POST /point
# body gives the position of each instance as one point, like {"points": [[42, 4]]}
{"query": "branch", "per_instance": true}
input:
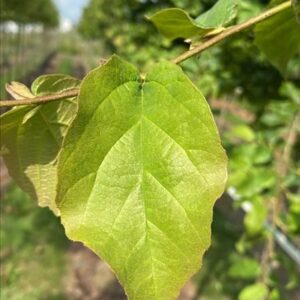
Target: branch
{"points": [[230, 31], [41, 99], [290, 140], [205, 45]]}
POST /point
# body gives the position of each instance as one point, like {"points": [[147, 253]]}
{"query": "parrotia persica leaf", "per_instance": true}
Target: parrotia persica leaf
{"points": [[176, 23], [282, 44], [139, 172], [31, 137]]}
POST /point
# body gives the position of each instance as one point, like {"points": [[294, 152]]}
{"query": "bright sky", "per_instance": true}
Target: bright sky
{"points": [[70, 11]]}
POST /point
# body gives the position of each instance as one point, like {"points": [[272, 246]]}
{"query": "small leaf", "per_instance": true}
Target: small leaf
{"points": [[257, 291], [291, 91], [242, 132], [18, 90], [138, 175], [245, 268], [255, 218], [175, 22], [31, 137], [47, 84], [282, 44]]}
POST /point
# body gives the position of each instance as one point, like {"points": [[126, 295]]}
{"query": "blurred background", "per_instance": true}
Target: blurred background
{"points": [[256, 226]]}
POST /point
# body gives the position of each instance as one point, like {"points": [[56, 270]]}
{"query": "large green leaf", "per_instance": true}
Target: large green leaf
{"points": [[279, 38], [31, 137], [175, 22], [139, 172]]}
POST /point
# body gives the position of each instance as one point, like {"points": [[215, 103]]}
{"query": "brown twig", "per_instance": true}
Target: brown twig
{"points": [[233, 108], [276, 203], [40, 99], [290, 141]]}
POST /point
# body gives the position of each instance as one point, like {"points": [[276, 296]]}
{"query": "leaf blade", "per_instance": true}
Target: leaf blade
{"points": [[177, 23], [137, 203], [31, 137], [272, 40], [219, 15]]}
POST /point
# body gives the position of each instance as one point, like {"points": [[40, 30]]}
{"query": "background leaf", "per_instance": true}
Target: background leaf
{"points": [[219, 15], [272, 39], [296, 8], [175, 22], [140, 170], [31, 137], [257, 291]]}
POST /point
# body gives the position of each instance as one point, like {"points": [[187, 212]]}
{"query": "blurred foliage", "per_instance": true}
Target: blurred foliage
{"points": [[25, 11], [33, 249], [257, 111]]}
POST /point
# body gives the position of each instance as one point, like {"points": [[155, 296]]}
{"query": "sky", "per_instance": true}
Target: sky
{"points": [[70, 11]]}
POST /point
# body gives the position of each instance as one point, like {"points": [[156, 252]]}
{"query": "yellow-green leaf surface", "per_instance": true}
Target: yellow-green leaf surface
{"points": [[139, 172], [31, 137], [176, 23], [279, 38]]}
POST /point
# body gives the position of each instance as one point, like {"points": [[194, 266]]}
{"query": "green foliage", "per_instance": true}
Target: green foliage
{"points": [[219, 15], [245, 268], [175, 22], [143, 195], [33, 249], [31, 137], [25, 11], [296, 9], [256, 291], [277, 45]]}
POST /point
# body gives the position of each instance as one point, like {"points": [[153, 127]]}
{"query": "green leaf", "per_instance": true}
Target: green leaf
{"points": [[255, 218], [245, 268], [18, 90], [47, 84], [139, 172], [294, 200], [296, 9], [176, 23], [241, 132], [31, 137], [248, 9], [219, 15], [279, 38], [257, 291], [291, 91]]}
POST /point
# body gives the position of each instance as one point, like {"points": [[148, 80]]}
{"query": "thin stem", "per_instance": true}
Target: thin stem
{"points": [[276, 203], [41, 99], [290, 141], [205, 45], [230, 31]]}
